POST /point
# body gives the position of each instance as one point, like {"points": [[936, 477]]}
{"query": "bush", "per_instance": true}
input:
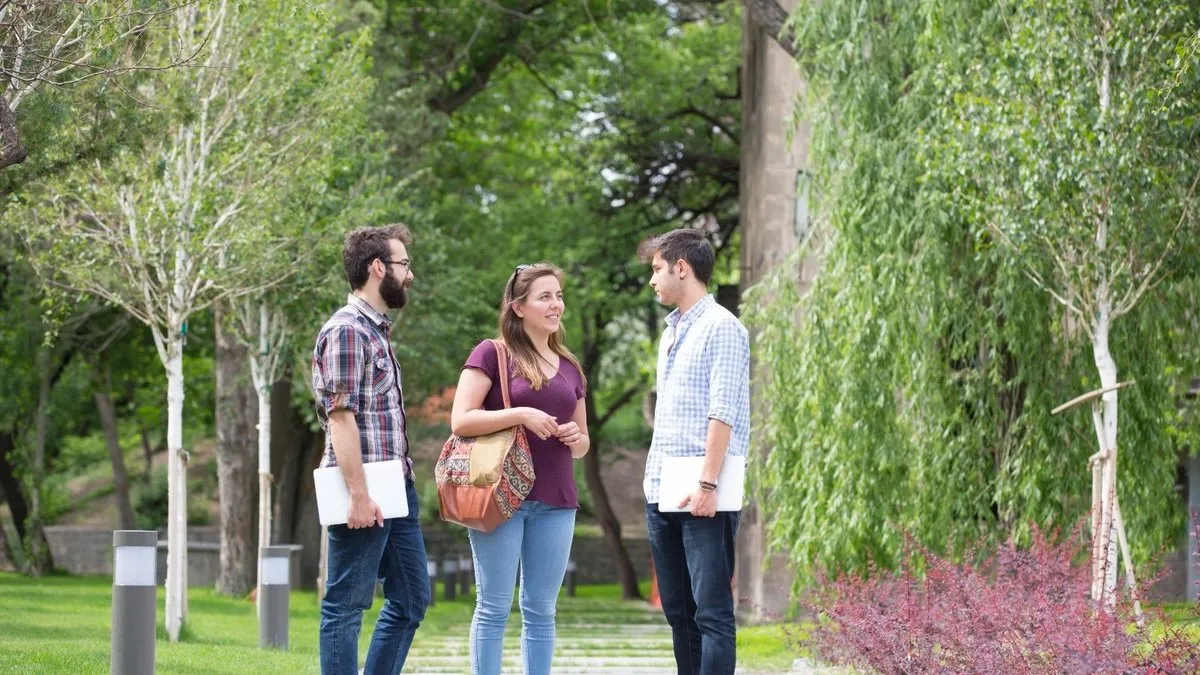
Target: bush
{"points": [[150, 502], [1021, 611]]}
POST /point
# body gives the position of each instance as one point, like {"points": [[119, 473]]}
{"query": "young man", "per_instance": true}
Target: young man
{"points": [[360, 403], [703, 410]]}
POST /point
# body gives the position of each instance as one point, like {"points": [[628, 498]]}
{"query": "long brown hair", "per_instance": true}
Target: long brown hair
{"points": [[512, 331]]}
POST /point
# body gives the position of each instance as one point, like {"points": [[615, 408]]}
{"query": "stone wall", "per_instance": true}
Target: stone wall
{"points": [[88, 551], [591, 555]]}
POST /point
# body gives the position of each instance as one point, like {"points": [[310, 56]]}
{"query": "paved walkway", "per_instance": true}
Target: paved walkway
{"points": [[619, 640]]}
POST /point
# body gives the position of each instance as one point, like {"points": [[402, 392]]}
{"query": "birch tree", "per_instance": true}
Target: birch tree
{"points": [[264, 323], [270, 325], [263, 329], [1084, 170], [159, 231]]}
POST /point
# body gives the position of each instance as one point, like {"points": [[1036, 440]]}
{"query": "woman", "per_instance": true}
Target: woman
{"points": [[546, 389]]}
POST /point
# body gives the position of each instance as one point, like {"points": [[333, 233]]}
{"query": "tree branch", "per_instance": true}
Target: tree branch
{"points": [[696, 112], [621, 402], [548, 87], [452, 101], [772, 18], [1136, 290], [12, 152]]}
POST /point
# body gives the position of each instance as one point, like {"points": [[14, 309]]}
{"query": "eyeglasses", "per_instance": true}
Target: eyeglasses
{"points": [[406, 263], [512, 283]]}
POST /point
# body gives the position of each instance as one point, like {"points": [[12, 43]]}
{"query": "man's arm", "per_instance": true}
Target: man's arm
{"points": [[337, 376], [715, 446], [728, 392], [347, 447]]}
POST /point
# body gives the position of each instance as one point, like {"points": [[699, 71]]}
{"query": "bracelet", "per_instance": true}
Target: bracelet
{"points": [[707, 486]]}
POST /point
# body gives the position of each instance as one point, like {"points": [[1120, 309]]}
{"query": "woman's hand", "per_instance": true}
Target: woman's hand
{"points": [[539, 423], [569, 433], [574, 438]]}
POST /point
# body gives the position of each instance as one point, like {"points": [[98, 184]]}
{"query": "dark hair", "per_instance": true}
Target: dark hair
{"points": [[368, 244], [512, 330], [684, 244]]}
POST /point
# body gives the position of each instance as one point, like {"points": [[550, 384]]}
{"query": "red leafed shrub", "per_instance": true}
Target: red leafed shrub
{"points": [[1023, 610], [436, 407]]}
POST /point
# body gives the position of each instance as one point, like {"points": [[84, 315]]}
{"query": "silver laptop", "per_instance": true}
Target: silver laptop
{"points": [[385, 484], [681, 476]]}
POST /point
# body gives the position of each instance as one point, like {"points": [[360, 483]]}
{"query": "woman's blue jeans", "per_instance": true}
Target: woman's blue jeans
{"points": [[538, 536]]}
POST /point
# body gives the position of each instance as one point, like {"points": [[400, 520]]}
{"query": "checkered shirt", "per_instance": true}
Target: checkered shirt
{"points": [[354, 368]]}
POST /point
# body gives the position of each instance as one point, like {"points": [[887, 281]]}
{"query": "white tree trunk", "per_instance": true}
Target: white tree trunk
{"points": [[262, 372], [264, 466], [264, 479], [176, 600], [1105, 364], [1107, 368]]}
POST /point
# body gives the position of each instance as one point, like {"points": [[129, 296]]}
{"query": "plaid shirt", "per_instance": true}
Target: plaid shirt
{"points": [[354, 368], [703, 374]]}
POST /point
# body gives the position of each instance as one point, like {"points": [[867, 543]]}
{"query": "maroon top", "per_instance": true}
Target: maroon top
{"points": [[554, 482]]}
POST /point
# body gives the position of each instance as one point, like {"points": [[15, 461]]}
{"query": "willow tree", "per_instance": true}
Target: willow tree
{"points": [[915, 394]]}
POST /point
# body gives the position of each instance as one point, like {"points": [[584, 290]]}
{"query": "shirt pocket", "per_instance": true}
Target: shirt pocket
{"points": [[383, 376]]}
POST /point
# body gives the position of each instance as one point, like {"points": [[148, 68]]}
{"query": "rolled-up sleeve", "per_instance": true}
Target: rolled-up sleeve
{"points": [[338, 363], [729, 376]]}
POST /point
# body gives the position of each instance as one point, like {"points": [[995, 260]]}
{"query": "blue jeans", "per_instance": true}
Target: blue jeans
{"points": [[693, 560], [539, 536], [393, 553]]}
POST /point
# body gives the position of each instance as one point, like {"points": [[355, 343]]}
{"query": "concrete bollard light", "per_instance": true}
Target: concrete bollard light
{"points": [[571, 578], [431, 567], [274, 591], [449, 572], [133, 605], [465, 573]]}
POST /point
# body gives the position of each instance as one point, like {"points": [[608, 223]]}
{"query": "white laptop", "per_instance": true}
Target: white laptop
{"points": [[681, 476], [385, 484]]}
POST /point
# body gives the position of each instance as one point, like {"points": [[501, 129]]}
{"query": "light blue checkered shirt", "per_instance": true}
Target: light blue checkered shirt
{"points": [[703, 374]]}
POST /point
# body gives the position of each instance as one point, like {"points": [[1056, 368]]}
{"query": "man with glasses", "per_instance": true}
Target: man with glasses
{"points": [[360, 402]]}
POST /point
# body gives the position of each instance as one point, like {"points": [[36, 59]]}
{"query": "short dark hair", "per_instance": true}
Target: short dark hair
{"points": [[368, 244], [683, 244]]}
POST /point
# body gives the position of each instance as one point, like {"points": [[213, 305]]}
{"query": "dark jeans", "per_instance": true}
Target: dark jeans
{"points": [[393, 553], [693, 560]]}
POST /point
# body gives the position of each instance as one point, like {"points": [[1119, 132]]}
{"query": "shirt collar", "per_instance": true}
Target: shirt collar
{"points": [[692, 314], [365, 308]]}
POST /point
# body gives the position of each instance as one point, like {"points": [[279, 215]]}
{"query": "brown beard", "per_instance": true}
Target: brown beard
{"points": [[394, 293]]}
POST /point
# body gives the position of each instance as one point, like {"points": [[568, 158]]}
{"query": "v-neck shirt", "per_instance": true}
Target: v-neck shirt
{"points": [[553, 466]]}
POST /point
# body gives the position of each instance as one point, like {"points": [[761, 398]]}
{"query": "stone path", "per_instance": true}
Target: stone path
{"points": [[624, 640]]}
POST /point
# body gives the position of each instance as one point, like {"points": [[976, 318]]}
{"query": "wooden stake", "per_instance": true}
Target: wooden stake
{"points": [[1130, 582]]}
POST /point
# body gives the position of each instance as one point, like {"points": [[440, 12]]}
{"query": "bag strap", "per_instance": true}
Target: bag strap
{"points": [[502, 360]]}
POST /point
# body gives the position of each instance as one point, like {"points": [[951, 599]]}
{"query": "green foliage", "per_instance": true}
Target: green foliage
{"points": [[627, 427], [576, 160], [150, 501], [79, 453], [915, 393]]}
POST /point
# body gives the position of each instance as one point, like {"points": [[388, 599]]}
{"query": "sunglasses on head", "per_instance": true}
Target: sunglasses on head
{"points": [[512, 283]]}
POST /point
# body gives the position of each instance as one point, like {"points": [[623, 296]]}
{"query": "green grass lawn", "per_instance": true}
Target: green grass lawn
{"points": [[61, 625]]}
